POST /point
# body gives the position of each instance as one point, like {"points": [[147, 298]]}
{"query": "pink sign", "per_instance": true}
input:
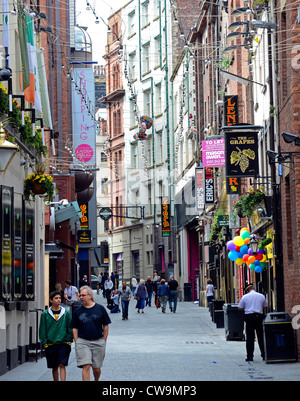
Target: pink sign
{"points": [[213, 153], [84, 153]]}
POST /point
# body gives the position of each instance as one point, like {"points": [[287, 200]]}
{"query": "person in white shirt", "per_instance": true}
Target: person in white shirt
{"points": [[253, 304], [209, 292]]}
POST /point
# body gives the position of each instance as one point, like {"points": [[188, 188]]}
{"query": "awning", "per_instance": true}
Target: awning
{"points": [[54, 251], [239, 79], [63, 213]]}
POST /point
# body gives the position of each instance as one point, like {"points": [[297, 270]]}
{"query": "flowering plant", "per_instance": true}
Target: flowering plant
{"points": [[27, 135], [40, 183], [245, 204]]}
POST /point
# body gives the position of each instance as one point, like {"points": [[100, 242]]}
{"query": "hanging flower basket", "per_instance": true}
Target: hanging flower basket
{"points": [[39, 183], [244, 206]]}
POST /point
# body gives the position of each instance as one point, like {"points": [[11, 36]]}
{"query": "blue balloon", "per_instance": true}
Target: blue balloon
{"points": [[258, 269], [233, 255], [257, 263], [244, 249]]}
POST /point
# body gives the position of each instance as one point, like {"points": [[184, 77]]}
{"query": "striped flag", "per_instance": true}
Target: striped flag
{"points": [[31, 93], [24, 77], [5, 37], [46, 112]]}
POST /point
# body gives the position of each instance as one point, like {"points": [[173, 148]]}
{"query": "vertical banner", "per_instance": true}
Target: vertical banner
{"points": [[231, 110], [209, 185], [165, 216], [6, 248], [29, 251], [200, 198], [18, 246], [241, 154], [84, 127]]}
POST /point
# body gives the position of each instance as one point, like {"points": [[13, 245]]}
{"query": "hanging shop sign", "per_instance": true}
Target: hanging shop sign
{"points": [[29, 250], [231, 110], [84, 127], [233, 185], [84, 220], [200, 196], [209, 185], [18, 246], [241, 154], [6, 248], [84, 236], [213, 153], [165, 216], [105, 213], [223, 220]]}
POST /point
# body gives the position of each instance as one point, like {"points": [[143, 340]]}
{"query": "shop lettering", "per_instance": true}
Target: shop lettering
{"points": [[242, 141], [209, 186]]}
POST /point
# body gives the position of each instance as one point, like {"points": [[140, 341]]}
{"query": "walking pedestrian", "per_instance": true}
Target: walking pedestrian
{"points": [[56, 336], [84, 281], [134, 284], [149, 287], [253, 304], [163, 293], [108, 286], [140, 296], [90, 331], [156, 285], [173, 293], [71, 294], [209, 292], [125, 296], [104, 278]]}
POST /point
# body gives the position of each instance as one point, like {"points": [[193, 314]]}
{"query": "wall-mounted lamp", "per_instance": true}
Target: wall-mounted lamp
{"points": [[282, 157], [7, 150], [289, 138]]}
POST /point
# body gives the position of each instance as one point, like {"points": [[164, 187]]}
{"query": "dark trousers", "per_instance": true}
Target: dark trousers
{"points": [[125, 305], [254, 324]]}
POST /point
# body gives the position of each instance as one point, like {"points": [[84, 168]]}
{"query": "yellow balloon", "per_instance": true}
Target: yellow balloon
{"points": [[238, 241], [239, 261], [245, 229], [264, 258]]}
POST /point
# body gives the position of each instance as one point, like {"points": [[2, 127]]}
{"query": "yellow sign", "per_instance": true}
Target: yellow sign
{"points": [[269, 247]]}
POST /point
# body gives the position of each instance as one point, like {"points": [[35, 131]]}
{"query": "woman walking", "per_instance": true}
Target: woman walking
{"points": [[163, 293], [140, 296]]}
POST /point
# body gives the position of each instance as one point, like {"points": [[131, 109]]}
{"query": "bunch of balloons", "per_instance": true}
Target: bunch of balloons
{"points": [[146, 123], [240, 252]]}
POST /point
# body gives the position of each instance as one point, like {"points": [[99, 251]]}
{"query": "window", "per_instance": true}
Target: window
{"points": [[146, 58], [158, 106], [134, 158], [104, 186], [157, 50], [147, 102], [103, 157], [131, 23], [145, 14], [132, 113], [150, 211], [132, 64]]}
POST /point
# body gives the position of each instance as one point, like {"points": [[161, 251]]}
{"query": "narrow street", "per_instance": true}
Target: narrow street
{"points": [[155, 347]]}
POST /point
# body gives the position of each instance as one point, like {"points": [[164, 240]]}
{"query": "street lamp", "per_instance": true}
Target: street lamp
{"points": [[254, 245], [7, 150]]}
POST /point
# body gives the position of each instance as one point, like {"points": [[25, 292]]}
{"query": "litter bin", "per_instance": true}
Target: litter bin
{"points": [[217, 305], [187, 287], [233, 322], [279, 338]]}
